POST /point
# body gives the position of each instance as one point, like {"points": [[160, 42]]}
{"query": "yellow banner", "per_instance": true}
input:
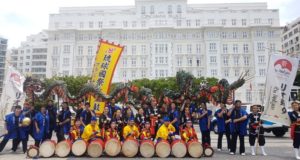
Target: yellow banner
{"points": [[107, 58]]}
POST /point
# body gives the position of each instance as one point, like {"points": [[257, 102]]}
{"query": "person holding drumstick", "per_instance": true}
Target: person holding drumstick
{"points": [[189, 133], [166, 131], [91, 130], [146, 134], [131, 131], [112, 132], [76, 130]]}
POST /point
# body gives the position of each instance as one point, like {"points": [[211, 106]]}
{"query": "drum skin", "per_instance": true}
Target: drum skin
{"points": [[195, 148], [178, 148], [208, 151], [79, 147], [63, 148], [130, 147], [95, 148], [147, 148], [47, 148], [33, 152], [163, 148], [112, 147]]}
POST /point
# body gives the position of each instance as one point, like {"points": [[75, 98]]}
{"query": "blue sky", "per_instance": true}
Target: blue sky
{"points": [[20, 18]]}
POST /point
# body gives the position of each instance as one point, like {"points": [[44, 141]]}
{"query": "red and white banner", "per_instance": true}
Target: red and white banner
{"points": [[280, 78], [12, 90]]}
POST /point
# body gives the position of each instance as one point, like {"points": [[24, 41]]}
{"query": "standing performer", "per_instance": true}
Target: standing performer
{"points": [[205, 116], [238, 127], [223, 122], [112, 107], [128, 115], [64, 125], [189, 133], [130, 131], [86, 115], [166, 131], [185, 117], [256, 131], [104, 119], [295, 128], [91, 130], [119, 121], [76, 130], [29, 112], [146, 134], [140, 118], [14, 129], [112, 132], [174, 117], [52, 112], [79, 110], [41, 126]]}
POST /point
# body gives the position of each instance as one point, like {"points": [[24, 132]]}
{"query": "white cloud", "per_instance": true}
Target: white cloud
{"points": [[20, 18]]}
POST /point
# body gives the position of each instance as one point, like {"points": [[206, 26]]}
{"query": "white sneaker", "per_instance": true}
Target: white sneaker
{"points": [[243, 154], [231, 153], [297, 154], [219, 149], [253, 151], [263, 151]]}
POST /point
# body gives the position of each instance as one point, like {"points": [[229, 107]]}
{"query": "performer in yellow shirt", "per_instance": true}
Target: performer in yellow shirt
{"points": [[112, 132], [91, 131], [131, 131], [189, 133], [166, 131]]}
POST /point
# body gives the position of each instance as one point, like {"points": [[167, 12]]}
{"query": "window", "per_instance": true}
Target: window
{"points": [[213, 59], [124, 74], [91, 24], [260, 46], [189, 48], [236, 60], [55, 50], [233, 34], [66, 61], [270, 21], [213, 72], [143, 10], [262, 72], [152, 10], [133, 24], [199, 73], [170, 9], [54, 62], [235, 48], [212, 46], [125, 24], [272, 47], [178, 23], [143, 61], [197, 22], [79, 62], [100, 24], [80, 50], [179, 48], [179, 11], [198, 61], [226, 73], [90, 50], [271, 34], [236, 72], [246, 48], [225, 48], [198, 48], [223, 21], [89, 61], [179, 61], [225, 60], [67, 48], [248, 96], [143, 73], [133, 49], [259, 33], [233, 22], [261, 60], [257, 20], [210, 21], [133, 62], [133, 74], [224, 35], [244, 22], [143, 24], [143, 49], [188, 23], [245, 35], [246, 60]]}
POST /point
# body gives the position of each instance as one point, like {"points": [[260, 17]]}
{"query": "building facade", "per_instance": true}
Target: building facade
{"points": [[290, 38], [3, 50], [162, 37], [31, 57]]}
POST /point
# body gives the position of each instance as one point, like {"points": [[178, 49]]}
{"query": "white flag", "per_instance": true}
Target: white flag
{"points": [[12, 90], [280, 78]]}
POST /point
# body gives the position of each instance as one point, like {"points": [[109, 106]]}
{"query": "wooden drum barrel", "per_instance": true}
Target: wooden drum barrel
{"points": [[130, 147], [112, 147], [147, 148], [79, 147], [63, 148], [208, 151], [195, 148], [95, 148], [178, 148], [33, 152], [47, 148], [163, 148]]}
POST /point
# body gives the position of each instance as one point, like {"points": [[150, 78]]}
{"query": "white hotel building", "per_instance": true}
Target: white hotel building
{"points": [[164, 36]]}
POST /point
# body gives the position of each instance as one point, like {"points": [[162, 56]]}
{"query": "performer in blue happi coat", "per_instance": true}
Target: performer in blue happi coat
{"points": [[223, 122], [64, 125], [14, 129], [174, 117], [238, 126], [86, 115], [205, 116], [52, 113], [41, 126], [112, 107]]}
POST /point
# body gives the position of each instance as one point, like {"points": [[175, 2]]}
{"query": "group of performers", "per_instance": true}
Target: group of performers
{"points": [[166, 122]]}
